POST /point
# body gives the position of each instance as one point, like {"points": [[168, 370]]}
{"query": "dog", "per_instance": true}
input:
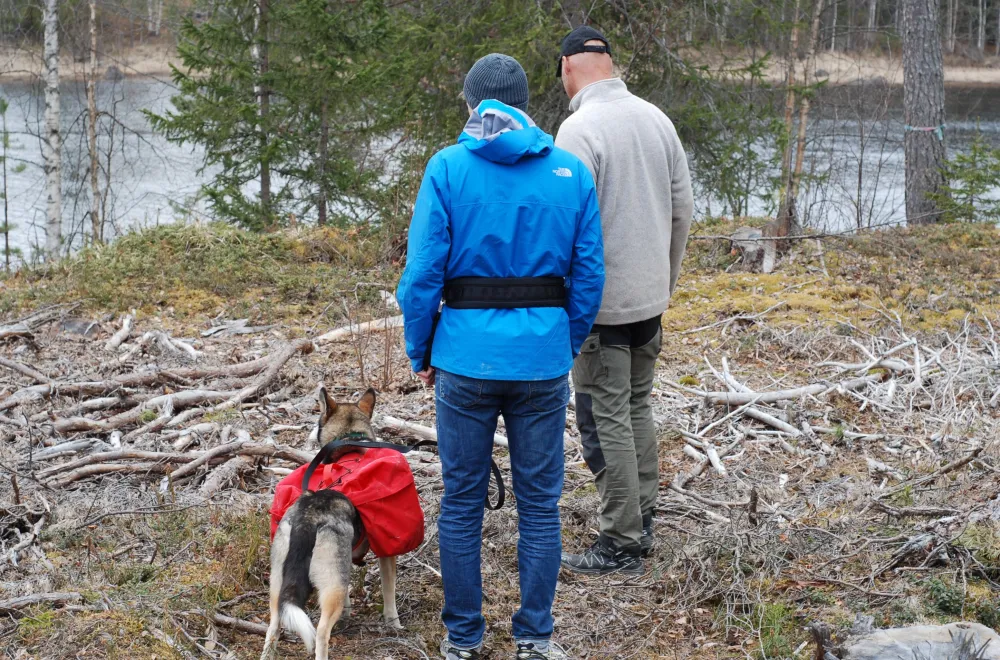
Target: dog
{"points": [[312, 547]]}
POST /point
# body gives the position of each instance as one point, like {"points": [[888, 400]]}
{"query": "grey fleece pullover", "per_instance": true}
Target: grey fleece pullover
{"points": [[644, 191]]}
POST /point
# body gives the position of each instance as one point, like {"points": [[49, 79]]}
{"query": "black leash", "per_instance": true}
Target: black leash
{"points": [[363, 441]]}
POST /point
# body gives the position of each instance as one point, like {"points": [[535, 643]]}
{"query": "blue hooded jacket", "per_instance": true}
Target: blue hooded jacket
{"points": [[503, 202]]}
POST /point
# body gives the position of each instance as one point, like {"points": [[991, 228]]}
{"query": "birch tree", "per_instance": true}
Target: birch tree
{"points": [[154, 16], [872, 14], [51, 146]]}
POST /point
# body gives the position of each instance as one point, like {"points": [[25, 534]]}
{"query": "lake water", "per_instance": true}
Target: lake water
{"points": [[854, 154]]}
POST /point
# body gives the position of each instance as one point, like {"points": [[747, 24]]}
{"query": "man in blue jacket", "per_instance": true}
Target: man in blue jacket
{"points": [[506, 232]]}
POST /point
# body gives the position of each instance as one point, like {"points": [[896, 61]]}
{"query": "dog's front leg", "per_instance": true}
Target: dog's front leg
{"points": [[387, 572]]}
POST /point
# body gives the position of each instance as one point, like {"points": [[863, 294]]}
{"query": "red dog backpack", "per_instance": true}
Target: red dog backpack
{"points": [[379, 484]]}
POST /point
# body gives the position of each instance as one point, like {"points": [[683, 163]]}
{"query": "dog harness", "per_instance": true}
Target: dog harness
{"points": [[378, 482]]}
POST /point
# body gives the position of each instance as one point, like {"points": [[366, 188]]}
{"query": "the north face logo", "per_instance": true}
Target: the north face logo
{"points": [[563, 171]]}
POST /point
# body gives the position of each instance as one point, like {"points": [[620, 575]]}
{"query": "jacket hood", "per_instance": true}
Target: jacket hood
{"points": [[503, 134]]}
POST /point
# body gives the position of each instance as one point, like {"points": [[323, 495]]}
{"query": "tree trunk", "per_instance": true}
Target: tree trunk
{"points": [[96, 221], [850, 26], [949, 28], [996, 51], [800, 144], [785, 213], [324, 138], [4, 141], [923, 110], [833, 28], [260, 55], [953, 36], [52, 151], [154, 16], [870, 32], [981, 36]]}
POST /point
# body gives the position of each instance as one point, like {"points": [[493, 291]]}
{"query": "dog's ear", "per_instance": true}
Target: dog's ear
{"points": [[367, 402], [327, 406]]}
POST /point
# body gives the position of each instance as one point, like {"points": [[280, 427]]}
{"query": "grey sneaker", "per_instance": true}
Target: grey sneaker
{"points": [[603, 557], [647, 541], [449, 652], [534, 651]]}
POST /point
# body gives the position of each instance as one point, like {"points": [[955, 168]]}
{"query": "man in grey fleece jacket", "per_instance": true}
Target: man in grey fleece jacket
{"points": [[644, 192]]}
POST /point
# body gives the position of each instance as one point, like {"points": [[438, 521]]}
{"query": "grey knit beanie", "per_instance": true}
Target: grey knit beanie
{"points": [[498, 77]]}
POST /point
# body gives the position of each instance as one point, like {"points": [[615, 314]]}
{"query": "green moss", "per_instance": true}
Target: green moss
{"points": [[202, 269], [945, 597]]}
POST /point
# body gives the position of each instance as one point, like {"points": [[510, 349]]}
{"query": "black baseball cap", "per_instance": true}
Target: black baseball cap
{"points": [[575, 41]]}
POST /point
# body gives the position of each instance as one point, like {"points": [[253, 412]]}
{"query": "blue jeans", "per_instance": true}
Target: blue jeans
{"points": [[534, 414]]}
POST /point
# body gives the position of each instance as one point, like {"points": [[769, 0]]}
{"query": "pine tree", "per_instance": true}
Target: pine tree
{"points": [[260, 82]]}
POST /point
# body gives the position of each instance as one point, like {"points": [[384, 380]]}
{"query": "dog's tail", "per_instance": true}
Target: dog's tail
{"points": [[294, 618], [295, 582]]}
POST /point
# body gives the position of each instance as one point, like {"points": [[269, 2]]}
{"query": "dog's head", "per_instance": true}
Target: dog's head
{"points": [[339, 419]]}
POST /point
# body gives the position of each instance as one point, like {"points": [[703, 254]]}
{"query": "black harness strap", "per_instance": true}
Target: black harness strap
{"points": [[364, 441]]}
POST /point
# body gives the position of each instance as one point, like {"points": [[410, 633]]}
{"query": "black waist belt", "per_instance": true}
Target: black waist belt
{"points": [[498, 293], [504, 292]]}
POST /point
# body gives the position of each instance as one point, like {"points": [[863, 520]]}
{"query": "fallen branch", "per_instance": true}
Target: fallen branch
{"points": [[350, 330], [424, 432], [734, 319], [119, 337], [183, 376], [770, 420], [108, 468], [224, 474], [253, 390], [71, 447], [113, 456], [950, 467], [15, 604], [15, 330], [175, 400], [915, 511], [25, 371], [27, 541], [742, 398]]}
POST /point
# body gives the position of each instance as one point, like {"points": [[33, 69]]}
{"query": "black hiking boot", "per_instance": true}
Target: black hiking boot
{"points": [[647, 541], [604, 557]]}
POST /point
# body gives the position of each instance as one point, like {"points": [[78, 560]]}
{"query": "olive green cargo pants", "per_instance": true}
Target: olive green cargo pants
{"points": [[613, 384]]}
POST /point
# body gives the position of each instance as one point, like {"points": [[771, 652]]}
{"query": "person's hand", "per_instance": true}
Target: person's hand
{"points": [[427, 375]]}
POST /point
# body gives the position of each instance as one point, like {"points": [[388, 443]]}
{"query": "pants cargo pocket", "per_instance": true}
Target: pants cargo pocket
{"points": [[589, 367]]}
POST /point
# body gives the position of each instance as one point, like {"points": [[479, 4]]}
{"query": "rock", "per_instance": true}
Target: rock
{"points": [[758, 252], [83, 327], [955, 641], [113, 73]]}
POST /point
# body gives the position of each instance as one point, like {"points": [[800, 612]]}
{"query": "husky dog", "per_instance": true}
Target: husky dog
{"points": [[314, 546]]}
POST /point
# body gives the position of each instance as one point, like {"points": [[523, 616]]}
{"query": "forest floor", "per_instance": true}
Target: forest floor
{"points": [[828, 447]]}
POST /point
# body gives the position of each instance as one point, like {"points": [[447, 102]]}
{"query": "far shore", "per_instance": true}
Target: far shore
{"points": [[154, 60]]}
